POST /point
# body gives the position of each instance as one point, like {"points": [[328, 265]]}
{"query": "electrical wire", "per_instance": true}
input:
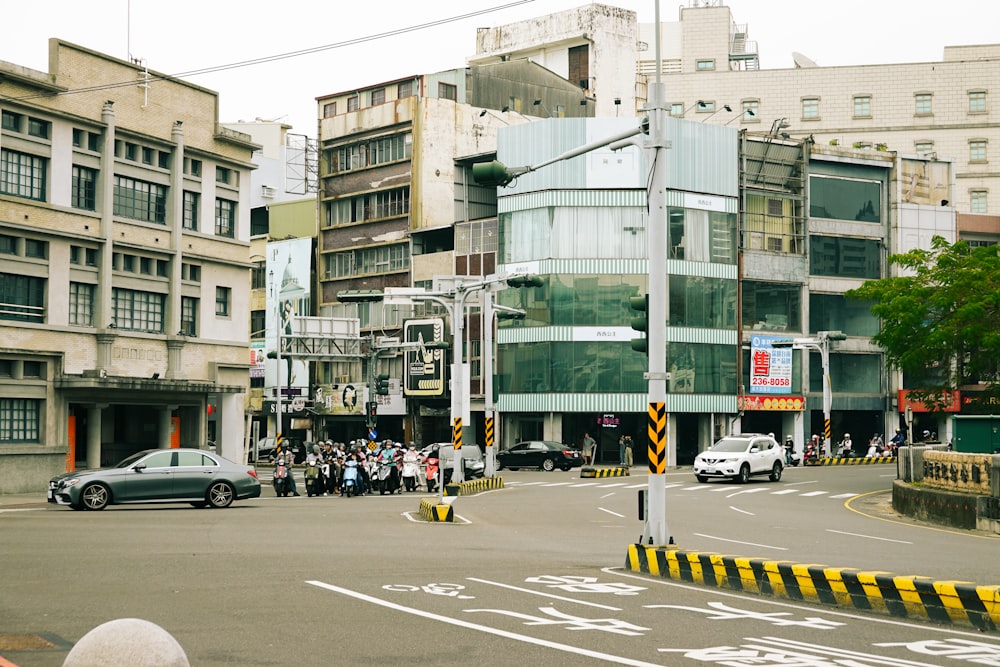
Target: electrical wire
{"points": [[282, 56]]}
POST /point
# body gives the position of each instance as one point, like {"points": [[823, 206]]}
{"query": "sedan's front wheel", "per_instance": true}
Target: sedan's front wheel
{"points": [[95, 497], [775, 472], [548, 465], [220, 495]]}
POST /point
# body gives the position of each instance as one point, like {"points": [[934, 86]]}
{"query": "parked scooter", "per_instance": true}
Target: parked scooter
{"points": [[810, 455], [431, 468]]}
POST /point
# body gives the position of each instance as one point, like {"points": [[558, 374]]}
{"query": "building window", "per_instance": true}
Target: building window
{"points": [[404, 89], [372, 152], [148, 155], [378, 96], [772, 306], [35, 248], [189, 316], [977, 201], [137, 311], [977, 101], [329, 110], [81, 304], [84, 193], [977, 150], [447, 91], [140, 200], [751, 111], [845, 199], [22, 175], [39, 128], [22, 298], [705, 106], [862, 106], [8, 244], [353, 103], [11, 121], [677, 109], [19, 420], [923, 104], [225, 218], [258, 323], [223, 175], [923, 147], [223, 296], [810, 107], [192, 203], [192, 167], [705, 65], [845, 257], [258, 276]]}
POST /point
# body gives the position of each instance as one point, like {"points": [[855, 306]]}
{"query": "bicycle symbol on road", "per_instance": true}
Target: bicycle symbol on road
{"points": [[447, 590]]}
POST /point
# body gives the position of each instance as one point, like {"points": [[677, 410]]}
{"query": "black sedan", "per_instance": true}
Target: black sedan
{"points": [[544, 454], [194, 476]]}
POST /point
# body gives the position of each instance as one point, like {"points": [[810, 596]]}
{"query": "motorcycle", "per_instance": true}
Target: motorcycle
{"points": [[431, 467], [791, 458], [411, 470], [810, 455], [280, 480], [349, 484]]}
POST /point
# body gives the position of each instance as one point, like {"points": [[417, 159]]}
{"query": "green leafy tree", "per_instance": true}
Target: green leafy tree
{"points": [[941, 318]]}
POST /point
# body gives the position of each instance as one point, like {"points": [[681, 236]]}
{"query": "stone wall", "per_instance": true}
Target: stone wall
{"points": [[958, 471]]}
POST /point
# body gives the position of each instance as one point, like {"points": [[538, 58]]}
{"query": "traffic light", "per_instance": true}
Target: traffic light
{"points": [[640, 322], [526, 280], [371, 413], [382, 384]]}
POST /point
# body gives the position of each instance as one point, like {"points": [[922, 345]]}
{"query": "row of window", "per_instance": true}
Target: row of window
{"points": [[377, 96], [371, 152], [22, 298], [861, 106], [366, 261], [367, 207]]}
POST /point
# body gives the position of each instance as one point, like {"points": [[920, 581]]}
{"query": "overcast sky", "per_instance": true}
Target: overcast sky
{"points": [[226, 32]]}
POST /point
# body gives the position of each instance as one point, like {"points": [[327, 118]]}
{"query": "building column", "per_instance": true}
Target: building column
{"points": [[105, 340], [166, 426], [94, 435], [175, 345], [229, 439]]}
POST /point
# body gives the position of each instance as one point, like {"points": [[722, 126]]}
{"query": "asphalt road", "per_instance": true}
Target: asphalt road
{"points": [[532, 572]]}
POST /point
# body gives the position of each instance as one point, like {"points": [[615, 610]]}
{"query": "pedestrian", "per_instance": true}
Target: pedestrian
{"points": [[628, 451], [588, 449], [621, 451]]}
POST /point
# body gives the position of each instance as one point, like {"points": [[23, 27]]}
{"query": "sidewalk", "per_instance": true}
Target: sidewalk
{"points": [[12, 500]]}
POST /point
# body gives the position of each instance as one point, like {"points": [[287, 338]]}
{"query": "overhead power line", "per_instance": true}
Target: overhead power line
{"points": [[284, 56]]}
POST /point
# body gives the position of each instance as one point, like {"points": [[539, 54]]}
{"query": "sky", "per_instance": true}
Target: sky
{"points": [[355, 45]]}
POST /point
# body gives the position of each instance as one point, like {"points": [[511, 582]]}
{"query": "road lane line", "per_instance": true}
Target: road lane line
{"points": [[814, 493], [843, 495], [784, 492], [869, 537], [737, 509], [619, 660], [749, 544], [622, 516]]}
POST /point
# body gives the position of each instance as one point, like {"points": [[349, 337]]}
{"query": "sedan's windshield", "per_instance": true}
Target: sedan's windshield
{"points": [[730, 445]]}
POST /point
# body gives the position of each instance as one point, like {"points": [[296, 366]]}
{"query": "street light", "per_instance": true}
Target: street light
{"points": [[821, 343]]}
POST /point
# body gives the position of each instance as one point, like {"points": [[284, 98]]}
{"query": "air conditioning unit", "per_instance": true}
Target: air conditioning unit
{"points": [[267, 192]]}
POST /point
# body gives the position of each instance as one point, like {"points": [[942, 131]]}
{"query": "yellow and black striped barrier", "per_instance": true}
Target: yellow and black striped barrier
{"points": [[853, 461], [473, 486], [957, 603], [620, 471], [432, 511]]}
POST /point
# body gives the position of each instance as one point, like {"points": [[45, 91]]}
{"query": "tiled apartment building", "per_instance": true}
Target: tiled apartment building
{"points": [[124, 235]]}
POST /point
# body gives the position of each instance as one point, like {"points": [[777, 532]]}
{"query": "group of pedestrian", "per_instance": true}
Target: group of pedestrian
{"points": [[589, 447], [389, 467]]}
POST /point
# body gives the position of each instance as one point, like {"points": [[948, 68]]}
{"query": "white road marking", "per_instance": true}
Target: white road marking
{"points": [[749, 544], [815, 493], [757, 490], [483, 628], [784, 492], [541, 594], [868, 537], [611, 486], [622, 516], [737, 509], [843, 495]]}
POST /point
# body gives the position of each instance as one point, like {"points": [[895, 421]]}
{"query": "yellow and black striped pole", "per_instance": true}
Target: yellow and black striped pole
{"points": [[657, 439], [490, 457]]}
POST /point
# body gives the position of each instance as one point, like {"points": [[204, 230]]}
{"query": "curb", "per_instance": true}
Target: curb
{"points": [[958, 603], [432, 511], [473, 486], [619, 471], [831, 461]]}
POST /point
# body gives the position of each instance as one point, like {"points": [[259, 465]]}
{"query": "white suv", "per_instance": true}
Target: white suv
{"points": [[737, 457]]}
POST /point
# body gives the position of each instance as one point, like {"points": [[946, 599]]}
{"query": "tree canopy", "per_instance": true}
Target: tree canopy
{"points": [[940, 319]]}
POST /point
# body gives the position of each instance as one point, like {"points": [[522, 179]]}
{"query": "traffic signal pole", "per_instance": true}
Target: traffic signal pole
{"points": [[655, 529]]}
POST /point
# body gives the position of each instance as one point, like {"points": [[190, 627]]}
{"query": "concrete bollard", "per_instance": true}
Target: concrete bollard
{"points": [[127, 642]]}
